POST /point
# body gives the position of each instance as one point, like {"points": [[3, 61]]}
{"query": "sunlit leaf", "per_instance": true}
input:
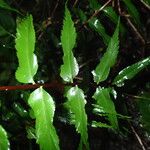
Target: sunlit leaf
{"points": [[76, 102], [109, 58], [68, 38], [4, 5], [25, 44], [130, 71], [104, 101], [95, 24], [4, 143], [43, 106], [132, 11]]}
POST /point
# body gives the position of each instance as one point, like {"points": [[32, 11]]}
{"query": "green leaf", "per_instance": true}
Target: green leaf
{"points": [[76, 103], [95, 24], [105, 103], [130, 71], [4, 143], [25, 44], [4, 5], [68, 38], [109, 58], [101, 125], [43, 106], [133, 11], [144, 107], [108, 11]]}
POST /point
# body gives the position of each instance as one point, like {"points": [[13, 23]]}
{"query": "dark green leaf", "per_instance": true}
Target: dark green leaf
{"points": [[105, 103], [109, 58], [43, 106], [4, 143], [4, 5], [144, 106], [95, 24], [130, 71], [76, 102], [68, 38], [132, 11], [25, 44]]}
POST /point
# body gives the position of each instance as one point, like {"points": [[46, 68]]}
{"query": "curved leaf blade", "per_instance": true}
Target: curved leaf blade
{"points": [[109, 58], [95, 24], [104, 101], [25, 44], [70, 68], [4, 143], [130, 71], [133, 11], [4, 5], [76, 103], [43, 106]]}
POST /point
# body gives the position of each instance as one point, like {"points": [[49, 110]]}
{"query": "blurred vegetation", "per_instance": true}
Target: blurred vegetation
{"points": [[95, 22]]}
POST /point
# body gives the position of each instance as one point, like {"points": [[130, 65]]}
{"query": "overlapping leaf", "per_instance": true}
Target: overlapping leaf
{"points": [[130, 71], [106, 105], [76, 102], [4, 5], [25, 44], [132, 11], [108, 11], [4, 143], [68, 38], [95, 24], [43, 106], [109, 58]]}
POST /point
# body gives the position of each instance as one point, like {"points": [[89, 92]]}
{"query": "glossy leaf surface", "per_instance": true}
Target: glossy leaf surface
{"points": [[25, 44], [69, 69], [106, 105], [108, 11], [95, 24], [130, 71], [76, 103], [43, 106], [109, 58], [4, 143]]}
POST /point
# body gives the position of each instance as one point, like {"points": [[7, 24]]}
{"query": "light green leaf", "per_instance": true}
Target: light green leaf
{"points": [[4, 5], [25, 44], [68, 38], [4, 143], [95, 24], [43, 106], [109, 58], [76, 102], [105, 103], [132, 11], [130, 71]]}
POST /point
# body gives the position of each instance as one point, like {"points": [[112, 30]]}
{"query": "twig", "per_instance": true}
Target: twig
{"points": [[54, 9], [54, 84], [97, 12], [138, 138], [146, 5], [75, 3], [136, 31]]}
